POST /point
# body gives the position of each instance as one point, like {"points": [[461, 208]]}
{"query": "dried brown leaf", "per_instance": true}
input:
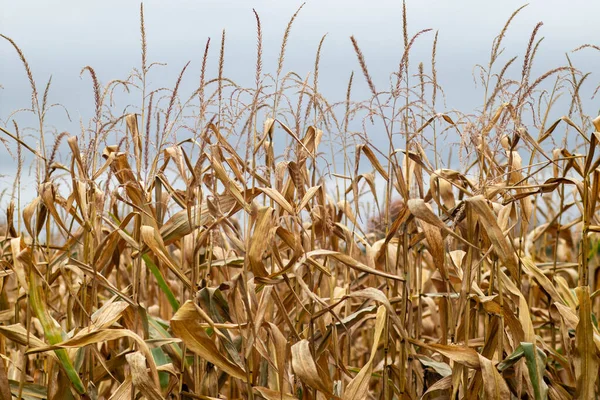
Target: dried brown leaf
{"points": [[494, 385], [306, 369], [359, 385], [140, 378], [586, 356], [186, 326]]}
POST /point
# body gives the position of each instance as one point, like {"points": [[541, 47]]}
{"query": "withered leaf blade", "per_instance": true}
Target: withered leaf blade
{"points": [[4, 385], [132, 127], [186, 326], [18, 334], [140, 378], [372, 158], [279, 199], [180, 225], [86, 337], [108, 314], [460, 354], [124, 390], [533, 270], [420, 209], [155, 243], [352, 263], [259, 241], [493, 383], [499, 241], [271, 394], [306, 369], [358, 387], [586, 356]]}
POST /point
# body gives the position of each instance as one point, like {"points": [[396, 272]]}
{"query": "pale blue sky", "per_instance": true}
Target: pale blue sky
{"points": [[59, 38]]}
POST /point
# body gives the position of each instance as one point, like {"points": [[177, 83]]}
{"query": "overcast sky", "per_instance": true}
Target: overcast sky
{"points": [[59, 38]]}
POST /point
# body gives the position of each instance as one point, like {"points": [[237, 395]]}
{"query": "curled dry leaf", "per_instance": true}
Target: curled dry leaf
{"points": [[459, 354], [102, 335], [306, 369], [186, 326], [140, 378], [352, 263], [359, 385], [156, 244], [494, 385], [270, 394], [500, 242], [259, 241]]}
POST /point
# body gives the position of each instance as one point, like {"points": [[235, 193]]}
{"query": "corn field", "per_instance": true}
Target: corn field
{"points": [[251, 242]]}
